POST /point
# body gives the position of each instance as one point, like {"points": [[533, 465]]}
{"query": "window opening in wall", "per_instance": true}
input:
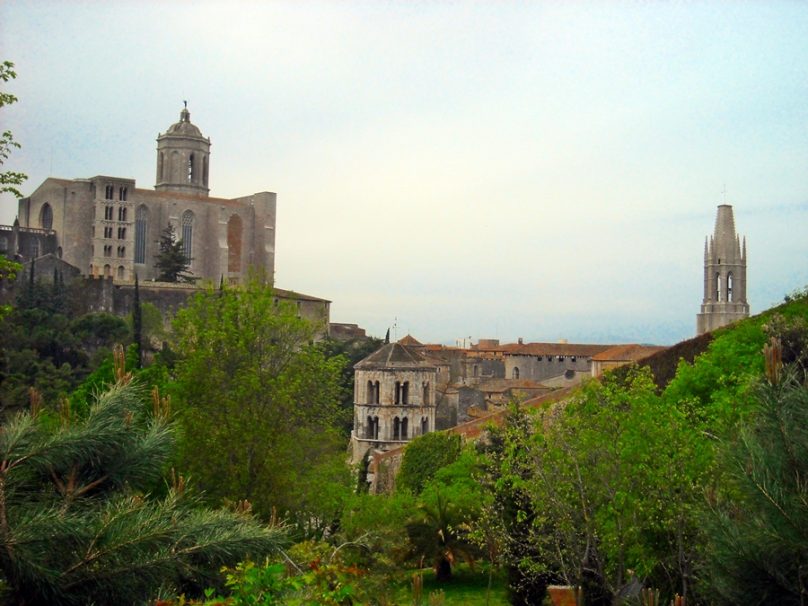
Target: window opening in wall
{"points": [[122, 213], [34, 249], [121, 271], [160, 167], [108, 213], [121, 233], [109, 192], [718, 287], [476, 370], [187, 234], [121, 251], [404, 428], [729, 287], [46, 216], [190, 168], [515, 372], [396, 429], [398, 392], [108, 231], [108, 250], [108, 270], [376, 391], [405, 392], [141, 219], [425, 397], [424, 425], [205, 171], [122, 194]]}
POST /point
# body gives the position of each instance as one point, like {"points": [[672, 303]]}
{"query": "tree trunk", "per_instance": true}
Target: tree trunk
{"points": [[443, 570]]}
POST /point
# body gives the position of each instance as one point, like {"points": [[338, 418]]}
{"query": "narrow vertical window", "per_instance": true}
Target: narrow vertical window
{"points": [[718, 287], [398, 392], [141, 220], [369, 397], [396, 429], [46, 216], [424, 425], [205, 171], [121, 271], [405, 392], [515, 372], [425, 397], [191, 168], [187, 234], [404, 428], [376, 391], [729, 287]]}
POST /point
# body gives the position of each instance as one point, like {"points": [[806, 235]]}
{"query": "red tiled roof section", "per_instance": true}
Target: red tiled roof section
{"points": [[630, 352]]}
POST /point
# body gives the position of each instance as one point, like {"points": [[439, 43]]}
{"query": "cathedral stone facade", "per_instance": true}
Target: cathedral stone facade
{"points": [[107, 226], [724, 275]]}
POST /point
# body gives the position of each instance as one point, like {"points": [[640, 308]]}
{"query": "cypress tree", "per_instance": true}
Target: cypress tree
{"points": [[137, 326]]}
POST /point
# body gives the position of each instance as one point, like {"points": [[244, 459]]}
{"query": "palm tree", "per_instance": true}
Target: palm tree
{"points": [[438, 534]]}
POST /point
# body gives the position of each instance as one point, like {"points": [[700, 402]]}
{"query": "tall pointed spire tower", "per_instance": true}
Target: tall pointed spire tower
{"points": [[724, 275]]}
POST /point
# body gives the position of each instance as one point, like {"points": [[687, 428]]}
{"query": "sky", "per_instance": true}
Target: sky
{"points": [[544, 170]]}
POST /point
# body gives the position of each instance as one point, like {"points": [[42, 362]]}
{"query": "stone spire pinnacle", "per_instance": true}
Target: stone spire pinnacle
{"points": [[724, 275]]}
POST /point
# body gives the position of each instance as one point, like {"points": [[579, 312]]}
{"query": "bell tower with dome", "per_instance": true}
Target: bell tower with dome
{"points": [[183, 158]]}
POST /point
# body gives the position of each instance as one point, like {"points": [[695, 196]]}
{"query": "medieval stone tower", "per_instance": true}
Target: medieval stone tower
{"points": [[724, 275], [183, 155]]}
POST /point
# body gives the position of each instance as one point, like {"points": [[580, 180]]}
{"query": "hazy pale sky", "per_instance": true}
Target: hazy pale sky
{"points": [[543, 170]]}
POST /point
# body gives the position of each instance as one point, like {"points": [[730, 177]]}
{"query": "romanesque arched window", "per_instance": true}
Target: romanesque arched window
{"points": [[718, 287], [425, 396], [398, 392], [141, 223], [396, 428], [376, 391], [404, 428], [191, 168], [234, 244], [107, 271], [121, 271], [424, 425], [729, 287], [369, 396], [369, 428], [405, 392], [122, 191], [187, 233], [515, 372], [109, 191]]}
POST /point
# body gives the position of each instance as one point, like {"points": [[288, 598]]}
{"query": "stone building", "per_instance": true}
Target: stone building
{"points": [[394, 399], [724, 275], [107, 226]]}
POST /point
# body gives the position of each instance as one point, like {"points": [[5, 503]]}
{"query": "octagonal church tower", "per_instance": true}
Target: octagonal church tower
{"points": [[183, 158], [724, 275], [394, 399]]}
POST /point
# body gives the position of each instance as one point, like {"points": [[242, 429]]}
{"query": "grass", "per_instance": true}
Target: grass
{"points": [[466, 588]]}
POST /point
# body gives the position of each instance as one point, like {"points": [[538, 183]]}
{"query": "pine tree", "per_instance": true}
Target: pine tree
{"points": [[78, 524], [171, 261]]}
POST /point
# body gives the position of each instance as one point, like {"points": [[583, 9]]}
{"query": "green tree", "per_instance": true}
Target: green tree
{"points": [[258, 403], [9, 180], [77, 522], [171, 262], [758, 549], [424, 456]]}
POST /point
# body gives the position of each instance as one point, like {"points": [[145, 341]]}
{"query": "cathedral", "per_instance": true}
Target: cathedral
{"points": [[108, 227]]}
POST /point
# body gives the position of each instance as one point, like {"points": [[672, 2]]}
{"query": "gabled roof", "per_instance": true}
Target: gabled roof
{"points": [[410, 341], [630, 352], [393, 355]]}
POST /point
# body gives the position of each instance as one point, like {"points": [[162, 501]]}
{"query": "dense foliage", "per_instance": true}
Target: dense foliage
{"points": [[171, 262], [77, 522], [258, 403]]}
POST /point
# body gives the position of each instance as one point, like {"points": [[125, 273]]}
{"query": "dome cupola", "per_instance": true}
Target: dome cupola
{"points": [[183, 158]]}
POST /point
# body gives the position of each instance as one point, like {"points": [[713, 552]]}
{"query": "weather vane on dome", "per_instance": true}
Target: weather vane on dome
{"points": [[185, 101]]}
